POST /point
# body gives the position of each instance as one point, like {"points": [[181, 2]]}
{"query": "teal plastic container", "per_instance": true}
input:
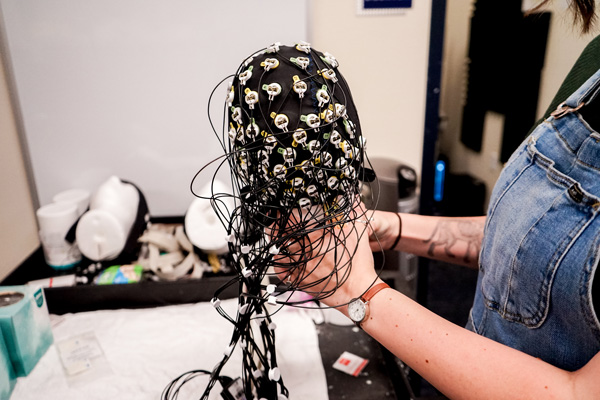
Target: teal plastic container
{"points": [[25, 326], [8, 378]]}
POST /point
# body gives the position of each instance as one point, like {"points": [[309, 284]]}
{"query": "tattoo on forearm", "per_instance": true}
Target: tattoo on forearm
{"points": [[448, 233]]}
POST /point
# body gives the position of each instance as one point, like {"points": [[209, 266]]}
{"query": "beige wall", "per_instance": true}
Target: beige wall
{"points": [[18, 233], [384, 59], [564, 46]]}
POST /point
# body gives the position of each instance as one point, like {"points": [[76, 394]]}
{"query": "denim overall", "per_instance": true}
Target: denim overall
{"points": [[542, 242]]}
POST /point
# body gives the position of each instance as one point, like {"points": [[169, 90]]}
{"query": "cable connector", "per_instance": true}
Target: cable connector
{"points": [[233, 389]]}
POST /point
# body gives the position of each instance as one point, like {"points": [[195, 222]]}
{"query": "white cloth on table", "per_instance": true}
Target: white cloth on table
{"points": [[147, 348]]}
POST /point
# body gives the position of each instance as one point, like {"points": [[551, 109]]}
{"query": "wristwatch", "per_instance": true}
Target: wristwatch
{"points": [[358, 309]]}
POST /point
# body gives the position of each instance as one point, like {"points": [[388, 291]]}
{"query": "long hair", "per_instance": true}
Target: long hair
{"points": [[584, 12]]}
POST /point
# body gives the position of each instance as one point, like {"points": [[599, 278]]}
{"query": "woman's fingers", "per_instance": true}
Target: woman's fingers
{"points": [[318, 258]]}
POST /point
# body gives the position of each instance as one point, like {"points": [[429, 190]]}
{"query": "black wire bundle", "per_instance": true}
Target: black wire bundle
{"points": [[291, 139]]}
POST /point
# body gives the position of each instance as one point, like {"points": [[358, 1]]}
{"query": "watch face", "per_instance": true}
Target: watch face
{"points": [[356, 310]]}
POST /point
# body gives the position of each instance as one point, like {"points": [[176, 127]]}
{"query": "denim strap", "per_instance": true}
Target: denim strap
{"points": [[586, 93]]}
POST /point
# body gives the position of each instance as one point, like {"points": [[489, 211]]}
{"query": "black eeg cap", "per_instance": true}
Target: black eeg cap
{"points": [[295, 136]]}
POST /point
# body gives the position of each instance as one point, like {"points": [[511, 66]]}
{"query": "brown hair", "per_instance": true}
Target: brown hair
{"points": [[584, 12]]}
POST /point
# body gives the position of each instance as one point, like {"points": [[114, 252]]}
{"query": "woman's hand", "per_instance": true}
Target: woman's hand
{"points": [[333, 263], [384, 229]]}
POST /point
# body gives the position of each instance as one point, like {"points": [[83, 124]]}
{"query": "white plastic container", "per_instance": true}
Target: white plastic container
{"points": [[102, 232]]}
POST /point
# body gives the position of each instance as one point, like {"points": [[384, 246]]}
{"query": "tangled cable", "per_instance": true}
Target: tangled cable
{"points": [[292, 141]]}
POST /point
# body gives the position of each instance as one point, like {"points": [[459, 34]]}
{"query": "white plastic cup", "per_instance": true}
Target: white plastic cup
{"points": [[54, 221], [79, 197]]}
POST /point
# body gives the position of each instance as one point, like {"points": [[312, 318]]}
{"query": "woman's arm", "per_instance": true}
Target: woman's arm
{"points": [[452, 239], [458, 362], [464, 365]]}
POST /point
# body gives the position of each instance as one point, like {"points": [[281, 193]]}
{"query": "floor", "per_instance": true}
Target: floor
{"points": [[451, 291]]}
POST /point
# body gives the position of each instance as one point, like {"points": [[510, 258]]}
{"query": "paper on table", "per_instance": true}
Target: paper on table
{"points": [[82, 359]]}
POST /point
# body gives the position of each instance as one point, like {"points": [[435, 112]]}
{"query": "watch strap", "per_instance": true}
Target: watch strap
{"points": [[366, 298], [373, 291]]}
